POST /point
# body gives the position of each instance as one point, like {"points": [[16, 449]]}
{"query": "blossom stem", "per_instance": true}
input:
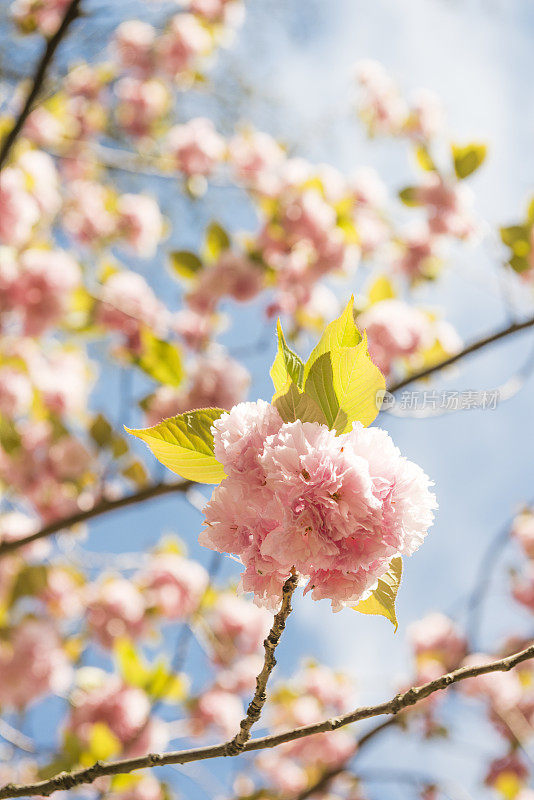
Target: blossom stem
{"points": [[270, 644]]}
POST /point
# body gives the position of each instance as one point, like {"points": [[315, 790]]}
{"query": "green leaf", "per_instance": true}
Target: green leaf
{"points": [[9, 435], [517, 237], [382, 600], [468, 158], [346, 386], [358, 384], [424, 159], [287, 366], [185, 264], [103, 744], [101, 432], [519, 264], [185, 444], [132, 668], [31, 580], [381, 289], [295, 405], [216, 242], [342, 332], [320, 387], [136, 472], [408, 195], [161, 360]]}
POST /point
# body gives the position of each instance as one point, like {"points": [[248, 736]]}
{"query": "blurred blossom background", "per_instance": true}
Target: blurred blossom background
{"points": [[290, 70]]}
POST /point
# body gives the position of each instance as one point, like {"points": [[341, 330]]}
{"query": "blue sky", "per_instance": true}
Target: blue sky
{"points": [[298, 61]]}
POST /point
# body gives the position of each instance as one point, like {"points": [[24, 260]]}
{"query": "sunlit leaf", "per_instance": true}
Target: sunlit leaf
{"points": [[102, 744], [184, 444], [215, 242], [382, 600], [295, 405], [358, 384], [159, 359], [185, 264], [100, 431], [468, 158], [342, 332], [409, 196], [381, 289], [424, 159], [287, 366]]}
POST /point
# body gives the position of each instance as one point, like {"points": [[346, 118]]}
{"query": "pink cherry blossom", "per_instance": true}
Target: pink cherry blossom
{"points": [[255, 156], [69, 458], [195, 146], [394, 330], [239, 627], [124, 709], [140, 222], [88, 216], [40, 288], [32, 664], [16, 392], [127, 303], [115, 608], [215, 381], [142, 104], [174, 585], [335, 508], [134, 45], [33, 15], [181, 45], [436, 638], [510, 766], [19, 211], [218, 711]]}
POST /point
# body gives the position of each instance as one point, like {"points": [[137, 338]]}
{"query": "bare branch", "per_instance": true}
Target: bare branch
{"points": [[67, 780], [270, 644], [103, 507], [479, 344], [38, 79]]}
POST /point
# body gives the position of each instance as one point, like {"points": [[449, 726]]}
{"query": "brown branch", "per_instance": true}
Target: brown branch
{"points": [[38, 79], [67, 780], [103, 507], [270, 644], [516, 327]]}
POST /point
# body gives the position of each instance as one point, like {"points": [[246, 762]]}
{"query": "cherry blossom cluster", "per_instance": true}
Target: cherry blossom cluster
{"points": [[335, 508]]}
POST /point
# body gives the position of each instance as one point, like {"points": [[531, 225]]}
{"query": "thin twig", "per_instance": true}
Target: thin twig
{"points": [[67, 780], [323, 782], [38, 79], [516, 327], [270, 644], [103, 507]]}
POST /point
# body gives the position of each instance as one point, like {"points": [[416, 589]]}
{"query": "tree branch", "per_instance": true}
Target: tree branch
{"points": [[103, 507], [270, 644], [38, 79], [516, 327], [67, 780], [323, 782]]}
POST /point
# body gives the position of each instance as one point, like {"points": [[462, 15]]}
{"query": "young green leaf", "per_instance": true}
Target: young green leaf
{"points": [[342, 332], [184, 444], [295, 405], [320, 387], [287, 366], [468, 158], [185, 264], [358, 385], [216, 242], [161, 360], [382, 600]]}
